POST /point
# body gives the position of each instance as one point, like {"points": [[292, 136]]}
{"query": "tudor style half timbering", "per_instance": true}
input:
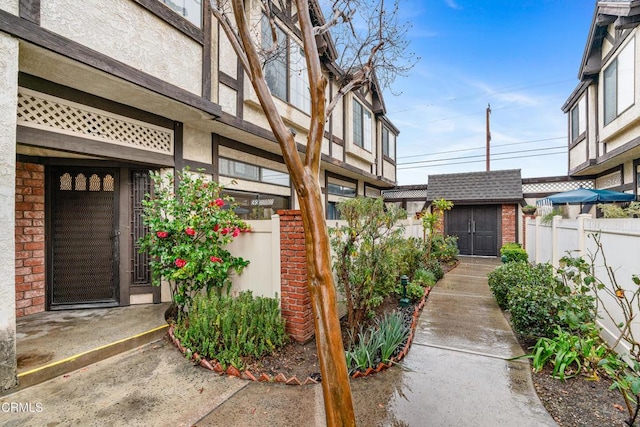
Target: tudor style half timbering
{"points": [[604, 109], [95, 94]]}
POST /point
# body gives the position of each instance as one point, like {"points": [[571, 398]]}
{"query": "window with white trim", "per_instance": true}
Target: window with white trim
{"points": [[285, 69], [619, 84], [237, 169], [579, 119], [361, 126], [388, 143], [190, 9]]}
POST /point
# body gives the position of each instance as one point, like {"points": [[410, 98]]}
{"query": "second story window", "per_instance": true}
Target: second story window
{"points": [[285, 68], [388, 144], [361, 126], [579, 119], [242, 170], [619, 83], [190, 9]]}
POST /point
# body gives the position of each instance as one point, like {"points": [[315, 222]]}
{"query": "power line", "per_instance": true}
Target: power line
{"points": [[477, 161], [483, 155], [480, 148]]}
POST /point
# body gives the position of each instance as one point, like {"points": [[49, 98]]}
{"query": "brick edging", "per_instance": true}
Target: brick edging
{"points": [[281, 378]]}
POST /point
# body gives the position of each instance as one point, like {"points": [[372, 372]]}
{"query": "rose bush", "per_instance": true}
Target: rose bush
{"points": [[187, 235]]}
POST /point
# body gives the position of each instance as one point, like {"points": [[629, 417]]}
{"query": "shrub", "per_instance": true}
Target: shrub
{"points": [[434, 266], [187, 235], [415, 291], [227, 329], [505, 277], [513, 252], [533, 310], [410, 256], [445, 249], [365, 255], [424, 278]]}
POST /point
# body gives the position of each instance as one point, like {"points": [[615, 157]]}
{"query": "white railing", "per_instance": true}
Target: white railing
{"points": [[620, 240]]}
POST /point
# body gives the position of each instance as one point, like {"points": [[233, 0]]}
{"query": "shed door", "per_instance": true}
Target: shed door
{"points": [[476, 228], [83, 238]]}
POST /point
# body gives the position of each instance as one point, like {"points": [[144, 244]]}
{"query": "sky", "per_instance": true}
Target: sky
{"points": [[521, 57]]}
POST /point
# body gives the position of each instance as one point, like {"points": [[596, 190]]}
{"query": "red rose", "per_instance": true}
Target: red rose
{"points": [[216, 227], [180, 262], [190, 231], [215, 259], [236, 232], [162, 234], [219, 202], [225, 230]]}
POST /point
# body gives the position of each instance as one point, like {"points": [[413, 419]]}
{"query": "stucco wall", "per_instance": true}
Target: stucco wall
{"points": [[10, 6], [128, 33], [8, 101], [197, 145]]}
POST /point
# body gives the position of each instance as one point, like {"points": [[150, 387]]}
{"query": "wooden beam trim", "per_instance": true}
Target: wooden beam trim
{"points": [[49, 40], [206, 52], [172, 18], [227, 80], [54, 89], [74, 144], [30, 10]]}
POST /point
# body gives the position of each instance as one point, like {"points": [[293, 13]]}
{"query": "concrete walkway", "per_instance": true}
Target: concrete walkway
{"points": [[456, 374]]}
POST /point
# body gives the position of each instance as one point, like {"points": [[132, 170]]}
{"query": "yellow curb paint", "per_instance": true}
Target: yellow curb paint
{"points": [[74, 357]]}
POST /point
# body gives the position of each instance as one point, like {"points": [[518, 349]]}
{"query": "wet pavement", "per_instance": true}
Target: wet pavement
{"points": [[457, 373]]}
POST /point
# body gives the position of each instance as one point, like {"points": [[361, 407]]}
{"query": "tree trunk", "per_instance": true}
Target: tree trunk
{"points": [[335, 376]]}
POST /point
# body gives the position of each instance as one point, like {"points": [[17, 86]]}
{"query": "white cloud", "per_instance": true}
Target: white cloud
{"points": [[452, 4]]}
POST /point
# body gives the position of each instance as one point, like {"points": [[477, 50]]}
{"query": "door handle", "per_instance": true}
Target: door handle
{"points": [[468, 226], [473, 226]]}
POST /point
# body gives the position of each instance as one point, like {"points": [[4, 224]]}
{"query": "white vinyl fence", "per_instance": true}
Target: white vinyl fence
{"points": [[620, 239]]}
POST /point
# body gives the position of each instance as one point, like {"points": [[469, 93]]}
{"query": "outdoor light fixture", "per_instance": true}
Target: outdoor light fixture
{"points": [[404, 301]]}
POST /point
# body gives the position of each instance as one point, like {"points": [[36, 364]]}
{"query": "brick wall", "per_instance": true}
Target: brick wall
{"points": [[509, 223], [29, 238], [295, 299]]}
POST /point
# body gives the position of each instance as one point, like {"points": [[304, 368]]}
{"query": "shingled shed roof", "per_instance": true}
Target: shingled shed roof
{"points": [[477, 187]]}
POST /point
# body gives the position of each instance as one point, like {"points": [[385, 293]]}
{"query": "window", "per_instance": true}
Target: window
{"points": [[388, 144], [332, 211], [619, 83], [236, 169], [286, 70], [341, 190], [257, 205], [579, 119], [190, 9], [361, 126]]}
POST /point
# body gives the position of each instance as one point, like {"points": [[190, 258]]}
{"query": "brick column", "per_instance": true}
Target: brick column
{"points": [[295, 299], [29, 238], [509, 223]]}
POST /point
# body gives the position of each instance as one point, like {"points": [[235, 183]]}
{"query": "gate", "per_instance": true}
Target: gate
{"points": [[476, 228], [83, 239]]}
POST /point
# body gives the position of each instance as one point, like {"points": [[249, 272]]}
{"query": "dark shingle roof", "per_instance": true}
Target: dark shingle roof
{"points": [[495, 186]]}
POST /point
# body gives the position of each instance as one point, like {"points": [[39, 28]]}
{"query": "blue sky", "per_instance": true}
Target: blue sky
{"points": [[522, 57]]}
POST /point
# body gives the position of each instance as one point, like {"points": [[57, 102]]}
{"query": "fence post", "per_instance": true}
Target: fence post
{"points": [[581, 236], [537, 234], [555, 259], [276, 282]]}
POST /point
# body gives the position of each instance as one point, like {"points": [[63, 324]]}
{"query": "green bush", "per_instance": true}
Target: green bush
{"points": [[512, 252], [227, 329], [505, 277], [539, 302], [424, 278], [434, 266], [415, 291], [445, 249], [410, 256]]}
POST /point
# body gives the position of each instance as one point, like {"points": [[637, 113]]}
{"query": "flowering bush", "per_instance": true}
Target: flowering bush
{"points": [[187, 235]]}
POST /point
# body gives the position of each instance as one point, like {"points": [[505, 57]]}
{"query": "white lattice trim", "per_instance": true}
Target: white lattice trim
{"points": [[555, 187], [613, 179], [42, 111]]}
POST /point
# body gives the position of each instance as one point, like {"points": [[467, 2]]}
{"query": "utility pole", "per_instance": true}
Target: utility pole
{"points": [[488, 138]]}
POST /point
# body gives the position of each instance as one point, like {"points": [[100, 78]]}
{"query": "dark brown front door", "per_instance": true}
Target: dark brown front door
{"points": [[83, 248], [476, 228]]}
